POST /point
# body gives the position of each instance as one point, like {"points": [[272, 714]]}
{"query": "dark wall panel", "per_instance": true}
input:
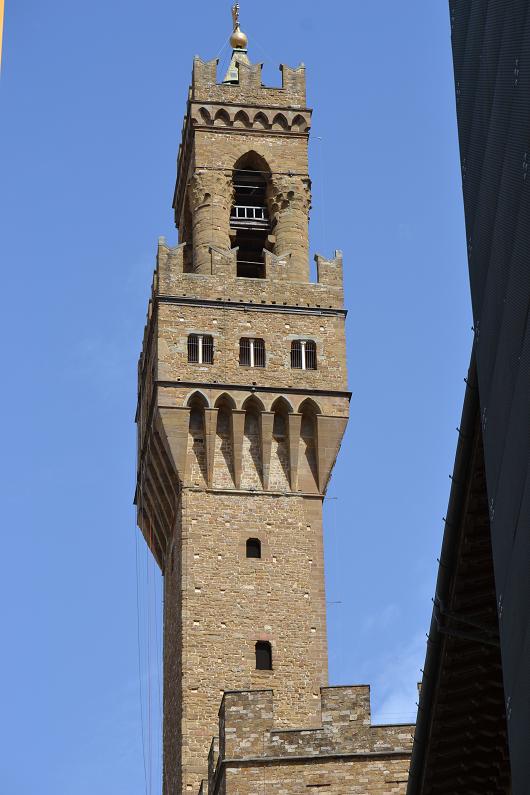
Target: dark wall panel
{"points": [[491, 52]]}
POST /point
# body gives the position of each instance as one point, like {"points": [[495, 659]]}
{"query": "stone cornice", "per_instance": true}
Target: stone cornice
{"points": [[250, 306]]}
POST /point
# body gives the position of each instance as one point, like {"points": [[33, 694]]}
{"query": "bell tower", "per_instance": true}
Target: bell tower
{"points": [[242, 405]]}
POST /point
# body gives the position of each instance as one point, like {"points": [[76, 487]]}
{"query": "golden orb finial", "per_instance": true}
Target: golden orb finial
{"points": [[238, 39]]}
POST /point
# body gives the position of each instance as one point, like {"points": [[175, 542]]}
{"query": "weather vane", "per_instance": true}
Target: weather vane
{"points": [[235, 15]]}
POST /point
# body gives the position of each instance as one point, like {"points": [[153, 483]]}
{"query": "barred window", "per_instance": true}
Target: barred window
{"points": [[200, 349], [263, 656], [251, 352], [310, 355], [303, 355]]}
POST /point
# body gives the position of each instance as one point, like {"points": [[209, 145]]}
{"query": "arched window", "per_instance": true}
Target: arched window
{"points": [[263, 656], [253, 548], [251, 352], [200, 349], [250, 215], [303, 355]]}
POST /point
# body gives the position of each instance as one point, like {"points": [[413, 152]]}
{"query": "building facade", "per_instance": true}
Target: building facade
{"points": [[242, 406], [473, 731]]}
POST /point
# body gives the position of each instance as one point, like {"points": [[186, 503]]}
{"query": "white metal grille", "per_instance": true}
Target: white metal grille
{"points": [[259, 353], [310, 355], [247, 213], [251, 352], [207, 349], [193, 348], [200, 348], [303, 355], [296, 355]]}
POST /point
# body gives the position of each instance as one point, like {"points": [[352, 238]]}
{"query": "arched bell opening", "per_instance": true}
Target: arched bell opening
{"points": [[250, 218]]}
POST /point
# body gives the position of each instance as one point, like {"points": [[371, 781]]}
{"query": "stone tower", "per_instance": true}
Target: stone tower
{"points": [[242, 406]]}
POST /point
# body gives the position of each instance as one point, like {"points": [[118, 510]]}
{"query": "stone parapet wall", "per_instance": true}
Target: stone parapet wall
{"points": [[223, 284], [250, 88], [346, 754]]}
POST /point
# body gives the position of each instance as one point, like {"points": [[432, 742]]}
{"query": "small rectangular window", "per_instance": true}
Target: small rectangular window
{"points": [[244, 352], [259, 353], [200, 349], [310, 355], [253, 548], [251, 352], [207, 349], [296, 355], [263, 656], [303, 355], [193, 348]]}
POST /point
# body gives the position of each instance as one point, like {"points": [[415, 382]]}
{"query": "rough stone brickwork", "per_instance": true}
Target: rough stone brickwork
{"points": [[229, 452], [343, 755], [227, 602]]}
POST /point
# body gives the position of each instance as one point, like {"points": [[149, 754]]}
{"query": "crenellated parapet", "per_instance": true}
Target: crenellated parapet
{"points": [[329, 756], [249, 89], [220, 281]]}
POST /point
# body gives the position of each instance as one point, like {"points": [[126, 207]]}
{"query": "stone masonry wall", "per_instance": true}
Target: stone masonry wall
{"points": [[345, 755], [250, 89], [227, 325], [210, 191], [219, 603]]}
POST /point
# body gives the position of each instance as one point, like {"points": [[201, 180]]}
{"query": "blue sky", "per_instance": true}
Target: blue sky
{"points": [[91, 101]]}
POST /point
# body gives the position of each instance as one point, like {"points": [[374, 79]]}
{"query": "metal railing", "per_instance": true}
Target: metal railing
{"points": [[249, 216]]}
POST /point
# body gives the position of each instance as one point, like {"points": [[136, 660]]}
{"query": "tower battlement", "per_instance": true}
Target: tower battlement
{"points": [[249, 88], [249, 741], [223, 284]]}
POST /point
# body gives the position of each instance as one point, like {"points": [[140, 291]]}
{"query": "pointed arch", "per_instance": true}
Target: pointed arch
{"points": [[250, 216], [280, 122], [252, 465], [261, 121], [197, 399], [281, 404], [241, 119], [309, 406], [307, 472], [221, 118], [197, 466], [280, 456], [299, 123], [252, 161], [223, 476], [205, 116], [225, 400], [253, 403]]}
